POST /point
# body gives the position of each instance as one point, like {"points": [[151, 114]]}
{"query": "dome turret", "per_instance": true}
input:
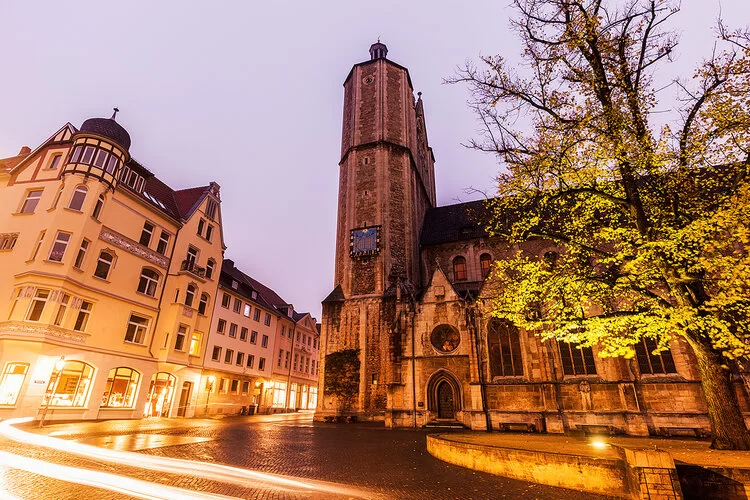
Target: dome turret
{"points": [[109, 128]]}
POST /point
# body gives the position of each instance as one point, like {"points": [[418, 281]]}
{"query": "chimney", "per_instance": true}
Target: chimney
{"points": [[229, 263], [24, 151]]}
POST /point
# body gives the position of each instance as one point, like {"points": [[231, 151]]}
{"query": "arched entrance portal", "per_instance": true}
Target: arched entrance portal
{"points": [[443, 395], [445, 407], [160, 394]]}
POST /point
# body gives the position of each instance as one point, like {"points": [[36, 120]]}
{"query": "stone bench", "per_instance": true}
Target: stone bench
{"points": [[683, 431], [590, 429], [340, 419], [516, 427]]}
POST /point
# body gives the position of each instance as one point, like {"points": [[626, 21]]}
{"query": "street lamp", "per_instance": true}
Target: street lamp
{"points": [[59, 365], [211, 380]]}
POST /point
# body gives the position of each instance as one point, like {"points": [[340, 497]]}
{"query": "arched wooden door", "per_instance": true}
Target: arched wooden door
{"points": [[446, 408]]}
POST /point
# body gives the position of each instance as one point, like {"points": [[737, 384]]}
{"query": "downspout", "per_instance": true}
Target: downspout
{"points": [[163, 289], [413, 372], [289, 374]]}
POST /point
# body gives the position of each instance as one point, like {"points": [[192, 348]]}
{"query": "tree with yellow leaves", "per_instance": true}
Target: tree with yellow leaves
{"points": [[653, 224]]}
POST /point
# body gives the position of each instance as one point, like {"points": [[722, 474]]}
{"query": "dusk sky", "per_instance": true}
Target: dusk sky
{"points": [[249, 94]]}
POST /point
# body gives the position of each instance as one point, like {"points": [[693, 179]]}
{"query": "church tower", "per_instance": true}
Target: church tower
{"points": [[386, 185]]}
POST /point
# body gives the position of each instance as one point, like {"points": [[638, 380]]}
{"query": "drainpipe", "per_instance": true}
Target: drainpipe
{"points": [[163, 289], [289, 374], [413, 372]]}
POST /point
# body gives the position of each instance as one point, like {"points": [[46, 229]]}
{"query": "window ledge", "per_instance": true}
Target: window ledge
{"points": [[96, 220], [77, 269], [73, 210], [100, 279], [146, 295], [115, 408], [127, 342], [22, 213], [53, 261]]}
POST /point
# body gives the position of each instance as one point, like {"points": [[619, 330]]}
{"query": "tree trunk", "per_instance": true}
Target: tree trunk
{"points": [[727, 423]]}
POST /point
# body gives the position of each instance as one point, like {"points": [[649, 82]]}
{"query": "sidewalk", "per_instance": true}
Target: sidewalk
{"points": [[611, 465]]}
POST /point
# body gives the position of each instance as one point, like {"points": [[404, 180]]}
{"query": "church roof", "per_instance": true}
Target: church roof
{"points": [[464, 221]]}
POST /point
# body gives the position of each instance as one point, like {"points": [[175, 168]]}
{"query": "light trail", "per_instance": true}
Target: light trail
{"points": [[112, 482], [216, 472]]}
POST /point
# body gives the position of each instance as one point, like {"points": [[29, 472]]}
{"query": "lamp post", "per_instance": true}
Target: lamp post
{"points": [[59, 365], [211, 380], [260, 385]]}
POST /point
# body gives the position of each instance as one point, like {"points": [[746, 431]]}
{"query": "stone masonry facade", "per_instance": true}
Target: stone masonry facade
{"points": [[407, 278]]}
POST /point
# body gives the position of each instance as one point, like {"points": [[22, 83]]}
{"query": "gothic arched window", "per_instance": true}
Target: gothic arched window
{"points": [[459, 268], [485, 262], [650, 363], [505, 349]]}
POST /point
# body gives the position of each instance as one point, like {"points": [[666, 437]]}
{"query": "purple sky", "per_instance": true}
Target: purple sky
{"points": [[249, 94]]}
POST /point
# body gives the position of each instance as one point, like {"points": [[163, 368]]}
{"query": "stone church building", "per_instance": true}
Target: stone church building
{"points": [[407, 277]]}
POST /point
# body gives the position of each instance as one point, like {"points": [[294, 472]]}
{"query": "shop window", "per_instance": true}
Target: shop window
{"points": [[122, 385], [71, 386], [12, 382]]}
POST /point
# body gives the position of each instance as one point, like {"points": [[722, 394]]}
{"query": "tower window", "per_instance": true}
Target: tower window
{"points": [[101, 158], [79, 196], [112, 164], [88, 153], [98, 207], [459, 268]]}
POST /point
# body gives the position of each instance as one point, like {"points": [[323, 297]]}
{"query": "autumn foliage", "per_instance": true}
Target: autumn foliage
{"points": [[650, 219]]}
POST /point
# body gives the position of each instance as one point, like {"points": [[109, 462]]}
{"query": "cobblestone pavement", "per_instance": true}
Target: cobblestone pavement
{"points": [[368, 461]]}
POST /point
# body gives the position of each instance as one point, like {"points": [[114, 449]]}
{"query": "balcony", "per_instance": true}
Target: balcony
{"points": [[189, 266]]}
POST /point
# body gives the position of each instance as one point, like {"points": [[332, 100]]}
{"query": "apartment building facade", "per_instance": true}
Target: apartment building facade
{"points": [[258, 347], [108, 279]]}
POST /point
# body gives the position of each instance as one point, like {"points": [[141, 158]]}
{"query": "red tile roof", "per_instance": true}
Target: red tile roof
{"points": [[187, 199], [7, 164]]}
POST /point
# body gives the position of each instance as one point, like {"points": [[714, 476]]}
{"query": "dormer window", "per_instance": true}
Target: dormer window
{"points": [[235, 285]]}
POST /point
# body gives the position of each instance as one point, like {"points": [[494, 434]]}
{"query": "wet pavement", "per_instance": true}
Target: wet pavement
{"points": [[280, 456]]}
